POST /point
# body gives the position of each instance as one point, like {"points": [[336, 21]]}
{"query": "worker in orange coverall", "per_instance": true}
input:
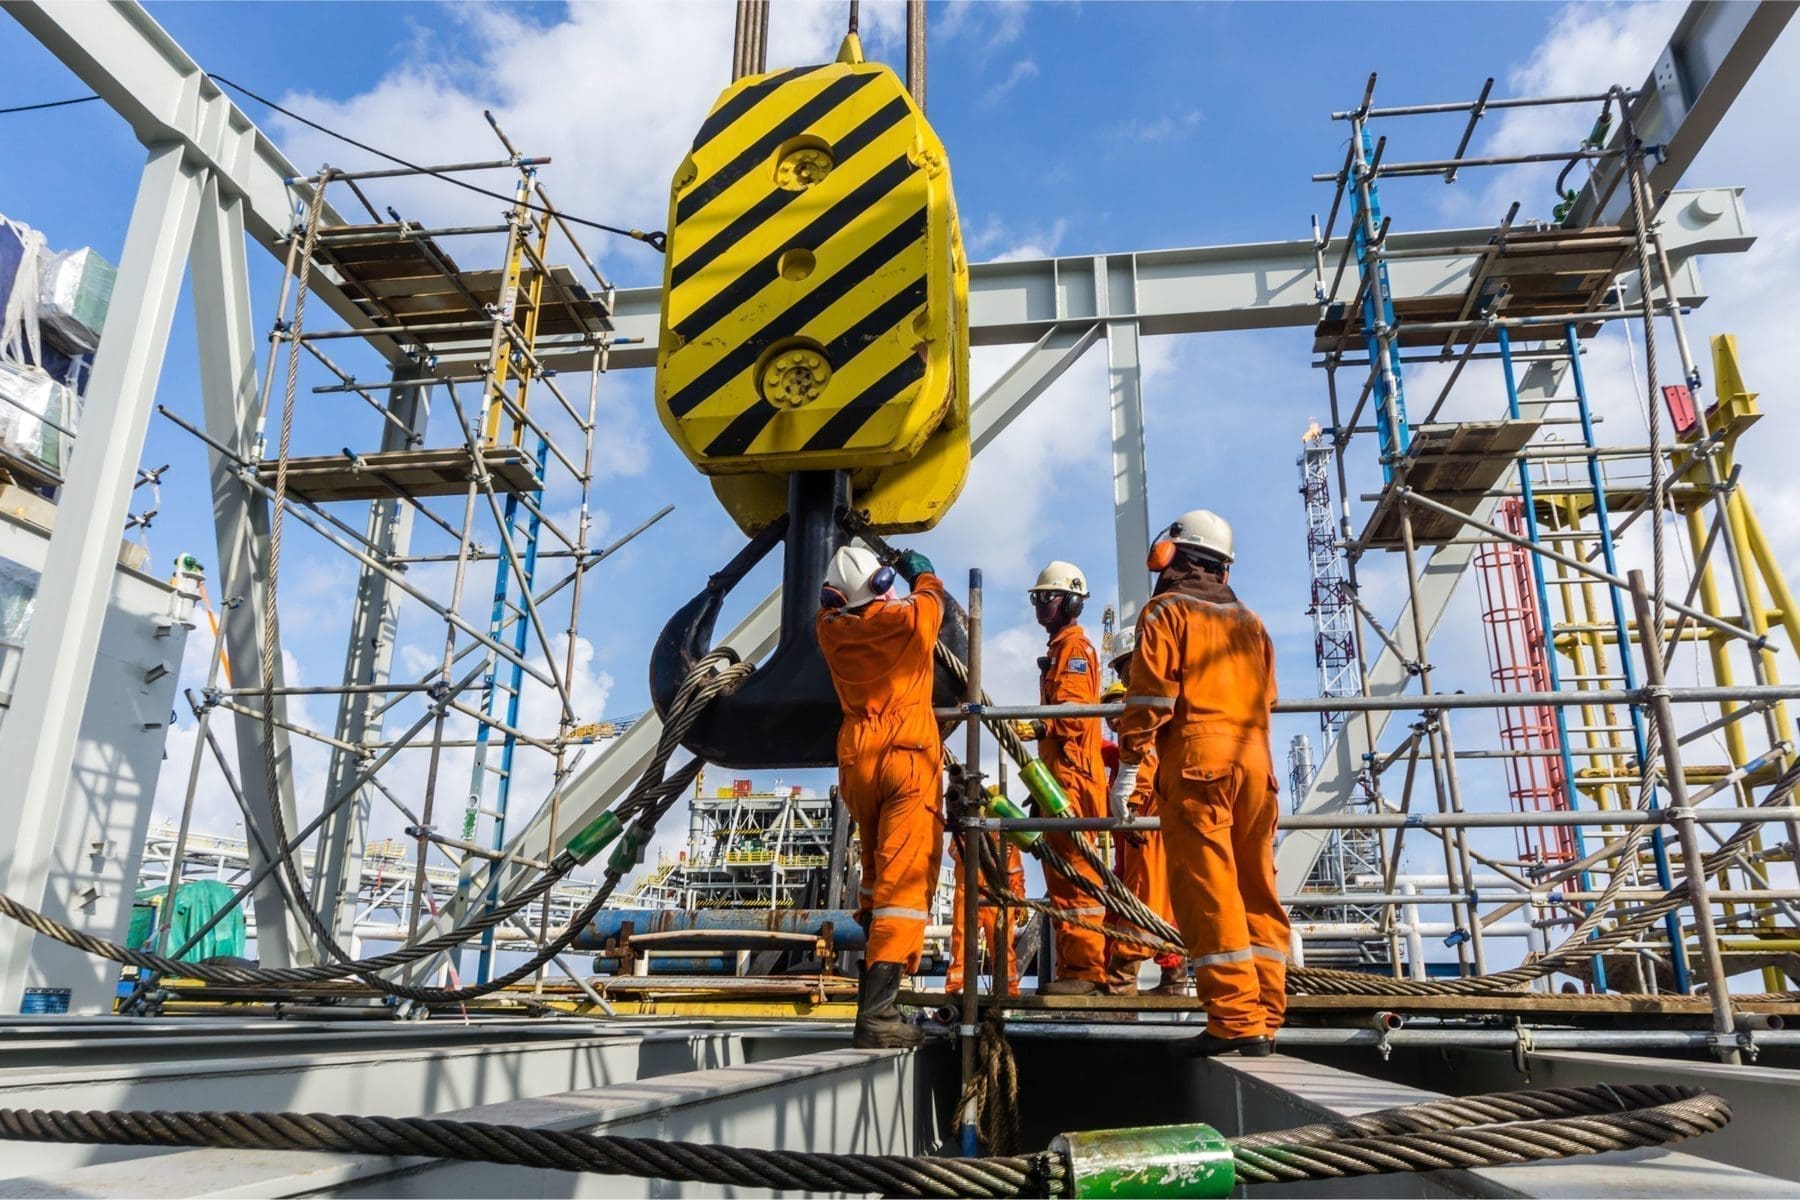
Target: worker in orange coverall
{"points": [[1070, 748], [1202, 684], [1141, 861], [994, 932], [890, 765]]}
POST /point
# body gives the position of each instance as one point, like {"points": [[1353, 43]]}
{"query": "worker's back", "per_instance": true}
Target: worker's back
{"points": [[1199, 635], [882, 664]]}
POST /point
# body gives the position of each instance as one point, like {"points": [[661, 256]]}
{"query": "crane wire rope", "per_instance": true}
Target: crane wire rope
{"points": [[1458, 1133]]}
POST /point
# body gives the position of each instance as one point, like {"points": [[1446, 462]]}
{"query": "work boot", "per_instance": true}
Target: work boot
{"points": [[879, 1025], [1209, 1045], [1174, 982], [1121, 978], [1072, 987]]}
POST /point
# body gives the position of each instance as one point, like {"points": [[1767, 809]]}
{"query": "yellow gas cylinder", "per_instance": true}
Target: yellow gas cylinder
{"points": [[815, 297]]}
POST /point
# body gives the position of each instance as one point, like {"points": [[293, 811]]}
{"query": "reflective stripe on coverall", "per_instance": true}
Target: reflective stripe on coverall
{"points": [[989, 917], [1202, 684], [1070, 747], [891, 759]]}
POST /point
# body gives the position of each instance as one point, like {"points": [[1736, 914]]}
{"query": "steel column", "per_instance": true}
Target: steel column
{"points": [[37, 740], [231, 401], [368, 660], [1131, 512]]}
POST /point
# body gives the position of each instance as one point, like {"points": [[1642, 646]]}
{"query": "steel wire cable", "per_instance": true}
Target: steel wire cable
{"points": [[1328, 981], [1479, 1131], [649, 800]]}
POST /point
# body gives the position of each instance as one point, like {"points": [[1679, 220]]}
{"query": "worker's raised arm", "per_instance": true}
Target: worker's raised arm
{"points": [[1155, 681], [928, 594]]}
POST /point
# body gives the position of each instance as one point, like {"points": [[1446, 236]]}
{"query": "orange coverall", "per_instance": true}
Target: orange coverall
{"points": [[1143, 864], [1201, 688], [1070, 748], [891, 759], [992, 930]]}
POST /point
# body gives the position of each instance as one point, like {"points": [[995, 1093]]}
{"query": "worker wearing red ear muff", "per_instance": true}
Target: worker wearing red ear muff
{"points": [[1202, 684], [880, 651], [1070, 748]]}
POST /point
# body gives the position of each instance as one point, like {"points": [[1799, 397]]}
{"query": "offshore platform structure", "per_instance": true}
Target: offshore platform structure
{"points": [[793, 370]]}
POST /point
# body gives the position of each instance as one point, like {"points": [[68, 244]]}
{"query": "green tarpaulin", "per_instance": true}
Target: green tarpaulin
{"points": [[195, 903]]}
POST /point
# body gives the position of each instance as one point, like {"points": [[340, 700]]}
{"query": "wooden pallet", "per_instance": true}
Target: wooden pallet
{"points": [[1545, 271], [400, 277], [420, 473], [1455, 464]]}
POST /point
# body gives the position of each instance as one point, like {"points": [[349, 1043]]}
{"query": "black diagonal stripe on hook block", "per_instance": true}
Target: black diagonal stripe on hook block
{"points": [[744, 429], [849, 420], [794, 318], [793, 125], [771, 205]]}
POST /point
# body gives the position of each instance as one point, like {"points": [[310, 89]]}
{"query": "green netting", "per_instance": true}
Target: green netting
{"points": [[195, 903]]}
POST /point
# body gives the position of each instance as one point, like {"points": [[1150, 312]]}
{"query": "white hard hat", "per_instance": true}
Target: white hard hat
{"points": [[1061, 576], [853, 575], [1124, 643], [1204, 530]]}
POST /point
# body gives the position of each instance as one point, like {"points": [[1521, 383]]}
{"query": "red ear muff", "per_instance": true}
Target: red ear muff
{"points": [[1162, 556], [830, 597]]}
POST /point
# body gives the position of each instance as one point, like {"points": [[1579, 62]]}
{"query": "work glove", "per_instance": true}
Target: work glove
{"points": [[1136, 837], [1028, 731], [911, 564], [1124, 783]]}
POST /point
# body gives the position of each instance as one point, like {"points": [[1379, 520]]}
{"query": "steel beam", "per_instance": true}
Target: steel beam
{"points": [[1205, 289], [1711, 55], [231, 402], [1131, 512], [368, 661], [145, 76], [37, 740]]}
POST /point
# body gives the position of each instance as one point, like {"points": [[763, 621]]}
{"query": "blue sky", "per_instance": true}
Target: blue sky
{"points": [[1072, 128]]}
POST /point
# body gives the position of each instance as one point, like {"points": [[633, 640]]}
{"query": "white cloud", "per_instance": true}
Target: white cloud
{"points": [[1018, 73], [991, 23], [1170, 127]]}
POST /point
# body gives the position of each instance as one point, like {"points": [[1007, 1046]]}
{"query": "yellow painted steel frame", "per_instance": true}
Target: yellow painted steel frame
{"points": [[815, 297], [516, 293]]}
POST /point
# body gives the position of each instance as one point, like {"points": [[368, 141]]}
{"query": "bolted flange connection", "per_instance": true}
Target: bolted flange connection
{"points": [[794, 377]]}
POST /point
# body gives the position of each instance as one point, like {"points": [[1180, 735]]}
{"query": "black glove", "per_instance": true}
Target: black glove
{"points": [[911, 564]]}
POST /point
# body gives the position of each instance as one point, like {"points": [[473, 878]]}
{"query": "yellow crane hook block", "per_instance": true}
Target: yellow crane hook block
{"points": [[815, 297]]}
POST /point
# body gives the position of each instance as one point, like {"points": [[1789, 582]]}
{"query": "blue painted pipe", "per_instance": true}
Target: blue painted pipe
{"points": [[609, 924], [698, 964]]}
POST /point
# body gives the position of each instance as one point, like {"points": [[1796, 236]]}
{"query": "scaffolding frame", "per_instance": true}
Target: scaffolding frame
{"points": [[492, 482], [1555, 505]]}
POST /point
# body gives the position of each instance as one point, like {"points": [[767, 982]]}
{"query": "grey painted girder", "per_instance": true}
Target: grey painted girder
{"points": [[368, 659], [145, 76], [1205, 289], [1693, 81], [37, 740], [231, 401]]}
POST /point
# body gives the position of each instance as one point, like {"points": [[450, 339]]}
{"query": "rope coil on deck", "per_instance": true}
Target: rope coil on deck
{"points": [[1509, 1127]]}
